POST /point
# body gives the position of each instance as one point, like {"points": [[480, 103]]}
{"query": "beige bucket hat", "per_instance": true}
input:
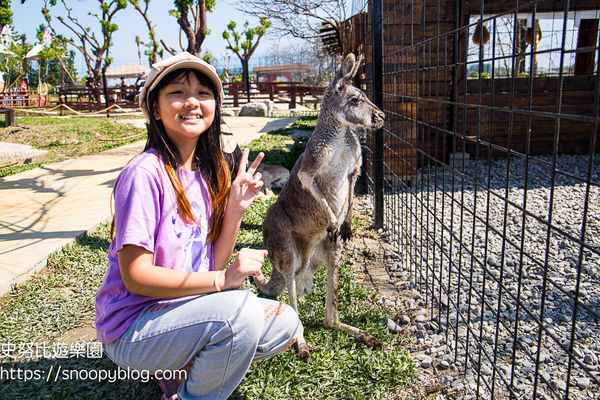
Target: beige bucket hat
{"points": [[182, 60]]}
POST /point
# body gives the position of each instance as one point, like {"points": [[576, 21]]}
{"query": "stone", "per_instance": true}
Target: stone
{"points": [[444, 364], [493, 261], [14, 154], [393, 326], [425, 360], [583, 383], [254, 110], [227, 112], [485, 370], [590, 359], [270, 106]]}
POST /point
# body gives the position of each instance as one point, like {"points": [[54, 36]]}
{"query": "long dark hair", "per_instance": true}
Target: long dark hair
{"points": [[208, 156]]}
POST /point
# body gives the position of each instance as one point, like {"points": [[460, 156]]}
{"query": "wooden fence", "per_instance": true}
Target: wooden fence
{"points": [[292, 93], [80, 97]]}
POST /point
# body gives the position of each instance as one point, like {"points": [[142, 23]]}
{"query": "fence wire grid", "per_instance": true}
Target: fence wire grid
{"points": [[486, 176]]}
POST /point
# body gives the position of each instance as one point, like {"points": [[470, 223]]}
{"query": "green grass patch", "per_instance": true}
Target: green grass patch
{"points": [[308, 122], [65, 138], [16, 169], [280, 147], [61, 298]]}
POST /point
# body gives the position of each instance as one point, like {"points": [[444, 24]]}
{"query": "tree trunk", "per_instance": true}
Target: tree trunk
{"points": [[520, 46], [246, 76]]}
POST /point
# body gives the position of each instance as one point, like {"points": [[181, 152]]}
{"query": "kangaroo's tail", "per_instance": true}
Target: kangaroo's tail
{"points": [[273, 287]]}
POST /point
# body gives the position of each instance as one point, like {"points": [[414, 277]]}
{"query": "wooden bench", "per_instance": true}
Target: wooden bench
{"points": [[9, 116]]}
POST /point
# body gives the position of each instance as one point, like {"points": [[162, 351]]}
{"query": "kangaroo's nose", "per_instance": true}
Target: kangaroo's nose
{"points": [[379, 114]]}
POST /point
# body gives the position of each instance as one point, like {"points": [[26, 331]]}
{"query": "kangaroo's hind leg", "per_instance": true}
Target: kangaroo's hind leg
{"points": [[333, 251], [303, 350], [286, 261], [293, 264]]}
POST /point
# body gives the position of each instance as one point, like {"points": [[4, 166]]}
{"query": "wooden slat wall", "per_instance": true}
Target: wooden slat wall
{"points": [[418, 66], [492, 119]]}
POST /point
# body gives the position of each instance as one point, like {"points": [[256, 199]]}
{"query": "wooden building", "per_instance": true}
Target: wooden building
{"points": [[449, 89]]}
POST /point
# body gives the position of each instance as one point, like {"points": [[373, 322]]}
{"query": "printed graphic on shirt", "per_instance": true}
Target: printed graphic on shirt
{"points": [[195, 238]]}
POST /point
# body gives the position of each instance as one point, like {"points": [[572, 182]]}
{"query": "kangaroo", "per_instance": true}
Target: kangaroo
{"points": [[272, 176], [306, 227]]}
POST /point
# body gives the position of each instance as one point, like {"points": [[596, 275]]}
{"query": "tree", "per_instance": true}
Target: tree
{"points": [[14, 65], [52, 57], [245, 48], [303, 19], [5, 14], [94, 50], [153, 45], [191, 17]]}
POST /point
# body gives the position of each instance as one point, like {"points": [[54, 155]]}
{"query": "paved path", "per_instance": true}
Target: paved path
{"points": [[44, 209]]}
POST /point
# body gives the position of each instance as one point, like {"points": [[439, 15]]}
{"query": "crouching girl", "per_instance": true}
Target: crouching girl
{"points": [[167, 300]]}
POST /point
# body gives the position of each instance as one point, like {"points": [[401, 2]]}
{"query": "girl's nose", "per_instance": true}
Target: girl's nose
{"points": [[192, 101]]}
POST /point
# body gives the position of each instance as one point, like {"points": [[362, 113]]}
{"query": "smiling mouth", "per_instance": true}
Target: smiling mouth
{"points": [[190, 117]]}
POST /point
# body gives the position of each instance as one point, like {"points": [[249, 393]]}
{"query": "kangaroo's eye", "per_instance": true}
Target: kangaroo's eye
{"points": [[355, 99]]}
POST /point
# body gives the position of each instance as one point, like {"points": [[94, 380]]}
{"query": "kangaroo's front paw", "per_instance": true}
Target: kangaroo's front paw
{"points": [[333, 233], [346, 231]]}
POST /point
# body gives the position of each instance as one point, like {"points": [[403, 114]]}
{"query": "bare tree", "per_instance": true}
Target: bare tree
{"points": [[153, 45], [93, 49], [191, 17], [303, 19], [244, 48]]}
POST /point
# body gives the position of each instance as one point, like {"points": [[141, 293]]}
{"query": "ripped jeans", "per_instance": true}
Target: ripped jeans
{"points": [[221, 334]]}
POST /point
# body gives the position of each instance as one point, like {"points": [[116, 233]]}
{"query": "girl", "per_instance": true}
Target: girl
{"points": [[167, 300]]}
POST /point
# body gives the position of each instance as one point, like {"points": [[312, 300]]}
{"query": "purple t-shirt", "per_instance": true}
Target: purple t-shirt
{"points": [[146, 215]]}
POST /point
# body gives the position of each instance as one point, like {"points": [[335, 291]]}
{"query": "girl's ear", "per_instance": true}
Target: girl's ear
{"points": [[155, 112]]}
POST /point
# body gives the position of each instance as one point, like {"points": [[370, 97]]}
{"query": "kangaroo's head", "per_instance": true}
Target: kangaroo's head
{"points": [[350, 105]]}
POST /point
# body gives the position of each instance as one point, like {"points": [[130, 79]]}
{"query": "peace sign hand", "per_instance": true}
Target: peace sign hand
{"points": [[246, 184]]}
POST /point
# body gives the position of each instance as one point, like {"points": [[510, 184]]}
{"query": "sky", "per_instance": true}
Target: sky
{"points": [[27, 17]]}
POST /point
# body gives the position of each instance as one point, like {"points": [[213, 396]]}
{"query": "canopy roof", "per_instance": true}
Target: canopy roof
{"points": [[130, 70], [34, 53]]}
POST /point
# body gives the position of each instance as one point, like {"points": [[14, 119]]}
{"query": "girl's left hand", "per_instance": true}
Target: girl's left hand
{"points": [[246, 184]]}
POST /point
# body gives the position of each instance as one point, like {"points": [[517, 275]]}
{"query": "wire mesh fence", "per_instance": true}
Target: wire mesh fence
{"points": [[487, 177]]}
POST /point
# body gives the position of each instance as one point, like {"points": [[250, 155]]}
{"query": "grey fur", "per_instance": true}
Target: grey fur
{"points": [[307, 225]]}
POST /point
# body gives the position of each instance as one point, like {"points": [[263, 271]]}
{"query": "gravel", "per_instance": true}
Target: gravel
{"points": [[498, 283]]}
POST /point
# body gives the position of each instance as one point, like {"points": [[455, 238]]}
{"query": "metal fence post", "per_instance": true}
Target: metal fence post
{"points": [[377, 28]]}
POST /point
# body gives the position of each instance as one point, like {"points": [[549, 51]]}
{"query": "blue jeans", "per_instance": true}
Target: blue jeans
{"points": [[221, 334]]}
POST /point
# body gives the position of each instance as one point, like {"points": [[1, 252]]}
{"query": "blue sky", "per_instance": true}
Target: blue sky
{"points": [[27, 17]]}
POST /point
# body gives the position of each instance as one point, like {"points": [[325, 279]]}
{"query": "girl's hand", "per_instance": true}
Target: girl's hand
{"points": [[247, 263], [246, 184]]}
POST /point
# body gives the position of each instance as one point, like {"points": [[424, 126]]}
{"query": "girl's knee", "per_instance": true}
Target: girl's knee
{"points": [[249, 317], [282, 318]]}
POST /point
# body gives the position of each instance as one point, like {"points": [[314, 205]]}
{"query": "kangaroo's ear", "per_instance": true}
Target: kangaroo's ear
{"points": [[356, 67], [348, 67]]}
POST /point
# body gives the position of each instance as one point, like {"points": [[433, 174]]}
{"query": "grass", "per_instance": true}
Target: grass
{"points": [[65, 138], [61, 298]]}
